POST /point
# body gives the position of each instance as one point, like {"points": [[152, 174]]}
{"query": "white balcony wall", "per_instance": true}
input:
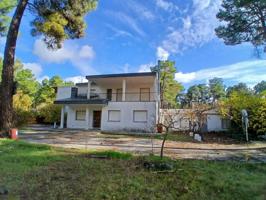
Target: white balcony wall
{"points": [[63, 93]]}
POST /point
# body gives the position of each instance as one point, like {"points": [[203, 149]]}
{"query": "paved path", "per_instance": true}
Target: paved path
{"points": [[94, 140]]}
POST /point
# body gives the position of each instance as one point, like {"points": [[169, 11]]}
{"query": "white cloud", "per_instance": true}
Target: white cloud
{"points": [[140, 10], [162, 54], [119, 32], [86, 51], [35, 68], [40, 79], [185, 77], [128, 21], [197, 29], [78, 56], [249, 72], [145, 67], [165, 5], [52, 56], [77, 79]]}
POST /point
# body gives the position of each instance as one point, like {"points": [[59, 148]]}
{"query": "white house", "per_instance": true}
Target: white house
{"points": [[112, 102], [122, 102]]}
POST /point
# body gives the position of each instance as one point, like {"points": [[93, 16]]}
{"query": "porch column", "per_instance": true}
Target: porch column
{"points": [[124, 90], [89, 90], [62, 116], [87, 117]]}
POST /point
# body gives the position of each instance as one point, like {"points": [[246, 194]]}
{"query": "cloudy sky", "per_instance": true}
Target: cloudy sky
{"points": [[130, 36]]}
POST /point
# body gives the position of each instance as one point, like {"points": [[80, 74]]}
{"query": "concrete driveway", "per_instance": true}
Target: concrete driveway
{"points": [[94, 140]]}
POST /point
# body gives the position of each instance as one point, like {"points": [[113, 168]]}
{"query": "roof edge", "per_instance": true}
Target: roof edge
{"points": [[122, 75]]}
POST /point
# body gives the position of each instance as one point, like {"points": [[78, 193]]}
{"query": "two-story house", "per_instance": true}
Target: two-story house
{"points": [[112, 102]]}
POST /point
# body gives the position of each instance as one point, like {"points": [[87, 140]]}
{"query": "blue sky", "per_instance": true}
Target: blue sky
{"points": [[130, 36]]}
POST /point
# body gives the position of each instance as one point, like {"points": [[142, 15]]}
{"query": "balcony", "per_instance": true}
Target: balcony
{"points": [[118, 97]]}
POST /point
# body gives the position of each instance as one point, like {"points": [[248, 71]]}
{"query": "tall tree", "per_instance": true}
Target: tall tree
{"points": [[217, 88], [245, 21], [5, 7], [193, 94], [260, 87], [169, 87], [240, 87], [56, 21], [26, 81]]}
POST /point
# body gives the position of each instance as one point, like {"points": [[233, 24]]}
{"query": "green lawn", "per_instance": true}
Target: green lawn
{"points": [[40, 172], [179, 137]]}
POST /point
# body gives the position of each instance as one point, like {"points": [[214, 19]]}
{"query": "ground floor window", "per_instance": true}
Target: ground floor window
{"points": [[140, 115], [80, 115], [114, 115]]}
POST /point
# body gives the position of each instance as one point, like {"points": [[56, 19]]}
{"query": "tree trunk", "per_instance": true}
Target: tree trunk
{"points": [[6, 110], [164, 139]]}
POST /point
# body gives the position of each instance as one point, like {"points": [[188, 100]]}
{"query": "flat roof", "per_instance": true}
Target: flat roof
{"points": [[122, 75]]}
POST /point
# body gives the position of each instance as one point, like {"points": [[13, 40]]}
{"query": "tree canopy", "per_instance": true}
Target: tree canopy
{"points": [[54, 20], [5, 7], [260, 87], [217, 88], [240, 87], [244, 21], [169, 87]]}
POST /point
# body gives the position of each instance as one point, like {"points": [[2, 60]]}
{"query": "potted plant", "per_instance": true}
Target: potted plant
{"points": [[159, 128]]}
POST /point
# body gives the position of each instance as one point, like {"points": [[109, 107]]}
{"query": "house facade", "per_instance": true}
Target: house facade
{"points": [[113, 102]]}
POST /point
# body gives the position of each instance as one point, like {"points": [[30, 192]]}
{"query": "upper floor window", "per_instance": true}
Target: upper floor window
{"points": [[109, 94], [144, 94], [119, 94]]}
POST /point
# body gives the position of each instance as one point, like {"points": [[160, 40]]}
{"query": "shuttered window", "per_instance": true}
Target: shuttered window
{"points": [[140, 115]]}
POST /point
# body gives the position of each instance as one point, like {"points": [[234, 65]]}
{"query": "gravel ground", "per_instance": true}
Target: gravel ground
{"points": [[94, 140]]}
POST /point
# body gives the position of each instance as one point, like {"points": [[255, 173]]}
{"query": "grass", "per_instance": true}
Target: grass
{"points": [[179, 137], [31, 171]]}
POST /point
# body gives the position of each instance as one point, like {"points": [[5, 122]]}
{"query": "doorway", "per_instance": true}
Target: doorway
{"points": [[97, 114]]}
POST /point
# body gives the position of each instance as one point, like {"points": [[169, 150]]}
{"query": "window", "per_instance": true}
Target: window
{"points": [[119, 94], [144, 94], [114, 115], [225, 123], [109, 94], [80, 115], [140, 115]]}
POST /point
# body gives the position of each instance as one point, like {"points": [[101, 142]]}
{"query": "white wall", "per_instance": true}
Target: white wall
{"points": [[77, 124], [126, 122], [214, 123], [176, 118], [63, 93]]}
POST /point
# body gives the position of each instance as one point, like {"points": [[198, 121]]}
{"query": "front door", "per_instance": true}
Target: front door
{"points": [[97, 119]]}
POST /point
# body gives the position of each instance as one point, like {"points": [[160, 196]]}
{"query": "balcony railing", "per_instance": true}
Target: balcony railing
{"points": [[118, 97]]}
